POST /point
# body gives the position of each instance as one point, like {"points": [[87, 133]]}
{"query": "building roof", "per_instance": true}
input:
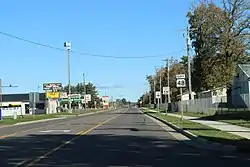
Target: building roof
{"points": [[19, 97], [245, 68]]}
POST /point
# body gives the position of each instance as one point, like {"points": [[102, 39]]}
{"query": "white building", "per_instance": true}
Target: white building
{"points": [[19, 103], [241, 86]]}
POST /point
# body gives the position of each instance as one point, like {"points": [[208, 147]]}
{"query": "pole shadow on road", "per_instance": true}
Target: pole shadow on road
{"points": [[104, 150]]}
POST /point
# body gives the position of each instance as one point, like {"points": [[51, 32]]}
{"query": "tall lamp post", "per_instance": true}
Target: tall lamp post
{"points": [[68, 46]]}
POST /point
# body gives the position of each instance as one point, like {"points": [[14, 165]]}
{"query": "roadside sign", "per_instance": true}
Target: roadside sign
{"points": [[87, 97], [165, 90], [34, 97], [180, 83], [52, 86], [53, 95], [158, 94], [180, 76]]}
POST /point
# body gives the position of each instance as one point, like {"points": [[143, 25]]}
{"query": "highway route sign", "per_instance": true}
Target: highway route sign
{"points": [[165, 90], [158, 94], [181, 83], [180, 76]]}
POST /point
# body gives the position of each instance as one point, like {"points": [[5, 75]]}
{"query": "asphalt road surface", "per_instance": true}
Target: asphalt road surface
{"points": [[124, 137]]}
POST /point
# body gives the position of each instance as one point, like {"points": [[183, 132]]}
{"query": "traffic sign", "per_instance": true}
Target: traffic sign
{"points": [[52, 86], [158, 94], [165, 90], [180, 76], [180, 83]]}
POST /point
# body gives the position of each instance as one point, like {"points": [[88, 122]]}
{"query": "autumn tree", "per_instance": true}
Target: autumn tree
{"points": [[174, 68], [220, 39]]}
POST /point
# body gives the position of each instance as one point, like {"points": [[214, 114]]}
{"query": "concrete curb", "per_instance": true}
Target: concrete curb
{"points": [[206, 144]]}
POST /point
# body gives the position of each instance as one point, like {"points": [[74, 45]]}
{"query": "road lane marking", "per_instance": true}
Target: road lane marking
{"points": [[48, 131], [79, 134], [9, 135], [14, 134]]}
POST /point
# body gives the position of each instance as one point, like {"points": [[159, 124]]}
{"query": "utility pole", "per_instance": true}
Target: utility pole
{"points": [[84, 89], [150, 92], [154, 90], [68, 46], [168, 68], [160, 87], [189, 64]]}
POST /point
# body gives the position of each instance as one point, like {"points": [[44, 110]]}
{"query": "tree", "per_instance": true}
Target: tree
{"points": [[124, 101], [219, 38], [174, 68], [90, 89]]}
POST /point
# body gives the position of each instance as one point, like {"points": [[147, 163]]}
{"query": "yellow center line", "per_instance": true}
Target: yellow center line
{"points": [[13, 134], [81, 133]]}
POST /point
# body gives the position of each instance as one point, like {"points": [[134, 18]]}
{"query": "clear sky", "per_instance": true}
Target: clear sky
{"points": [[107, 27]]}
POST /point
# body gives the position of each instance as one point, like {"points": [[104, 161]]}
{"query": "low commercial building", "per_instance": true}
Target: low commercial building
{"points": [[19, 103]]}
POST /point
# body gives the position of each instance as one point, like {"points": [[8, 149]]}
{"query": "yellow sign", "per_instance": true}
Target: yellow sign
{"points": [[53, 95]]}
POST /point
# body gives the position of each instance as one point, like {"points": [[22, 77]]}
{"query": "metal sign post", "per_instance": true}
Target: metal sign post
{"points": [[158, 96], [181, 83], [166, 92]]}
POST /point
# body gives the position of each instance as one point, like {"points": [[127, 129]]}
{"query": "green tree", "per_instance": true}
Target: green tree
{"points": [[124, 101], [90, 89]]}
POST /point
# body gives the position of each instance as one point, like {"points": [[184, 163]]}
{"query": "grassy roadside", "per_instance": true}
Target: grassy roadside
{"points": [[203, 131], [26, 118], [239, 118]]}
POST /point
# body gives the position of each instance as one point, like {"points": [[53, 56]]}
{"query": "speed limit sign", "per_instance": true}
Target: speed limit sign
{"points": [[180, 83]]}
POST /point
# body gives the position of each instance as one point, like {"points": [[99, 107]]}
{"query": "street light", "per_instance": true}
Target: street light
{"points": [[68, 46]]}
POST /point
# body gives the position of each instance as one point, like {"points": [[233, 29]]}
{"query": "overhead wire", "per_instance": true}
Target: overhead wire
{"points": [[81, 53]]}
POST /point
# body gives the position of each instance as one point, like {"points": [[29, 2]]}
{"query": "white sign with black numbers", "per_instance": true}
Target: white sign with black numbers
{"points": [[165, 90], [180, 83], [158, 94]]}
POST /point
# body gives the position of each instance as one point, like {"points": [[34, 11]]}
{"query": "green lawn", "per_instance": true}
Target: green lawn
{"points": [[203, 131], [26, 118], [240, 118]]}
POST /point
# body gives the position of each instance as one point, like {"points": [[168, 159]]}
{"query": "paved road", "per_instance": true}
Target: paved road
{"points": [[120, 138]]}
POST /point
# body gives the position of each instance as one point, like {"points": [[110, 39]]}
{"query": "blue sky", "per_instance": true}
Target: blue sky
{"points": [[106, 27]]}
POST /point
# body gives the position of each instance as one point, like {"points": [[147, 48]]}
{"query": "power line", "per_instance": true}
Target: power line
{"points": [[81, 53]]}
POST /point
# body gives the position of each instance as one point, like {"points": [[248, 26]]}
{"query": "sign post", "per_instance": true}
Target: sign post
{"points": [[158, 96], [166, 92], [52, 91], [181, 83]]}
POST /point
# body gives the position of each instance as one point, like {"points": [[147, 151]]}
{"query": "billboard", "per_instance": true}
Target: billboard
{"points": [[52, 86], [53, 95]]}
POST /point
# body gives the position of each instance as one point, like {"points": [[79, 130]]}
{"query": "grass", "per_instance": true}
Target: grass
{"points": [[203, 131], [240, 118], [26, 118]]}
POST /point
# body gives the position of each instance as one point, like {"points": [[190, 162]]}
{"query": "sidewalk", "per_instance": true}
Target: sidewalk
{"points": [[233, 129]]}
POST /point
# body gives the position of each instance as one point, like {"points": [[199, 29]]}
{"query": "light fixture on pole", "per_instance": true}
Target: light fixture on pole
{"points": [[68, 46]]}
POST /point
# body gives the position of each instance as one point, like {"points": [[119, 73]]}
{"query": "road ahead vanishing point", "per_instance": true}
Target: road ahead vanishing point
{"points": [[123, 137]]}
